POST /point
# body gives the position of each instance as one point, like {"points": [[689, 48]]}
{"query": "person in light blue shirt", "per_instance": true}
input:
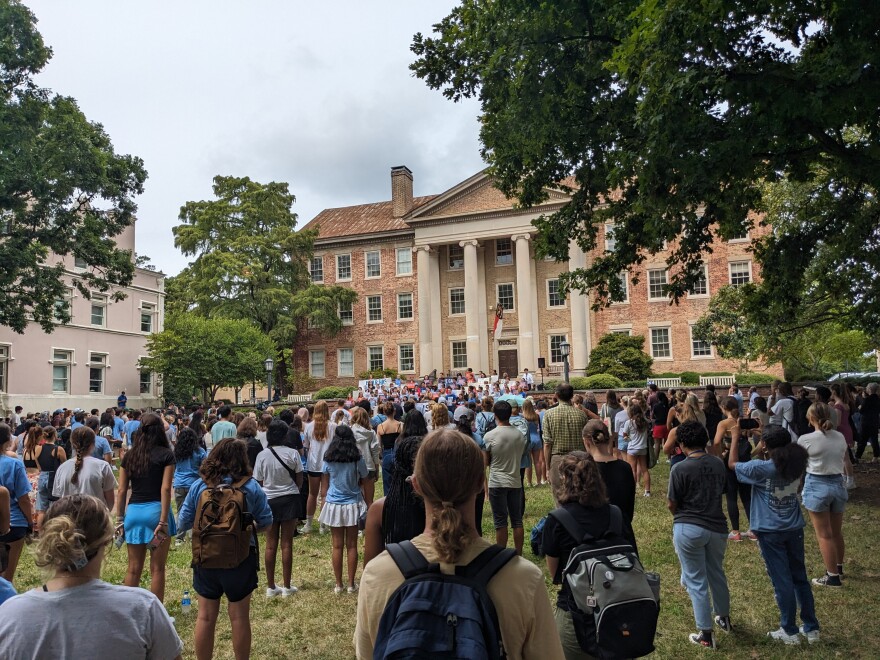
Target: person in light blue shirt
{"points": [[776, 519], [227, 463], [224, 428], [7, 591], [102, 449], [14, 480], [344, 504], [118, 424], [131, 427], [78, 418], [188, 457]]}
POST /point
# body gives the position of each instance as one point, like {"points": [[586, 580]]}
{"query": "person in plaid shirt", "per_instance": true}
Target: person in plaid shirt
{"points": [[563, 432]]}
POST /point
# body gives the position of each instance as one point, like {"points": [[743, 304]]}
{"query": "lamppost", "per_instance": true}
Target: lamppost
{"points": [[565, 349], [269, 365]]}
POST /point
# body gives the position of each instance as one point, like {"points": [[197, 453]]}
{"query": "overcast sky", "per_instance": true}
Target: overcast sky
{"points": [[315, 94]]}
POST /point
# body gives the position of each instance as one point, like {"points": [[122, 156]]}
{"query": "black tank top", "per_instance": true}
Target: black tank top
{"points": [[388, 439], [48, 462]]}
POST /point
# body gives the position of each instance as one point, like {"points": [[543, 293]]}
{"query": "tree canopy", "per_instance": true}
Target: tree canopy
{"points": [[63, 189], [622, 356], [194, 353], [666, 118]]}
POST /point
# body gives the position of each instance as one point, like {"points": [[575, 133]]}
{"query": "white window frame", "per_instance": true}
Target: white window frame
{"points": [[350, 311], [77, 267], [5, 359], [312, 270], [742, 239], [412, 308], [663, 295], [694, 356], [610, 242], [456, 353], [370, 352], [550, 304], [463, 301], [397, 262], [147, 308], [412, 358], [314, 367], [501, 256], [150, 381], [98, 300], [668, 329], [737, 262], [512, 286], [340, 278], [341, 372], [560, 337], [614, 330], [67, 362], [378, 255], [624, 278], [458, 262], [381, 315], [101, 364], [706, 279]]}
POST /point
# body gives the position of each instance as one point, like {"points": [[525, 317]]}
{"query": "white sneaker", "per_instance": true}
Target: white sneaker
{"points": [[812, 636], [288, 591], [273, 592], [178, 543], [338, 590], [850, 483], [782, 636], [647, 493], [322, 529], [352, 589]]}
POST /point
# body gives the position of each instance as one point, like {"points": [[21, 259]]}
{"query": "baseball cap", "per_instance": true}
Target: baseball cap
{"points": [[462, 412]]}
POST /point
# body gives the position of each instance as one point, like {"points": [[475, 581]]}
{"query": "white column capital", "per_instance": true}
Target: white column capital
{"points": [[521, 237], [472, 242], [421, 248]]}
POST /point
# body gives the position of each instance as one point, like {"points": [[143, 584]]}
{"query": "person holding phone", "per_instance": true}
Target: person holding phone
{"points": [[148, 469]]}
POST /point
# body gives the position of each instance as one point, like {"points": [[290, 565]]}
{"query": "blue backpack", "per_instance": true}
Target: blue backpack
{"points": [[435, 615]]}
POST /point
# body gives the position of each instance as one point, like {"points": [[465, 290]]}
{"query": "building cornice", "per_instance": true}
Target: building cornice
{"points": [[378, 237]]}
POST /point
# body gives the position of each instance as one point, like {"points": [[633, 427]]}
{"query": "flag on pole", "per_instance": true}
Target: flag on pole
{"points": [[499, 321]]}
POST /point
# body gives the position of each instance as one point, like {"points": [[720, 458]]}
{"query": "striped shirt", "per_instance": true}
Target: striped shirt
{"points": [[563, 428]]}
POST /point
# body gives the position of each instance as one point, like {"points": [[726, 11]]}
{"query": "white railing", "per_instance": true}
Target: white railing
{"points": [[718, 381], [665, 383], [299, 398]]}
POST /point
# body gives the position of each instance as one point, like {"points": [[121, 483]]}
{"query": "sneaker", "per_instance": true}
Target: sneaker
{"points": [[840, 570], [751, 536], [723, 622], [828, 581], [352, 589], [782, 636], [850, 483], [178, 543], [288, 591], [734, 536], [647, 493], [272, 592], [322, 529], [812, 636], [704, 639], [337, 590]]}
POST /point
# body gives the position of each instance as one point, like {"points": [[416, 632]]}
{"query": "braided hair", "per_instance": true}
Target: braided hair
{"points": [[403, 516], [83, 441]]}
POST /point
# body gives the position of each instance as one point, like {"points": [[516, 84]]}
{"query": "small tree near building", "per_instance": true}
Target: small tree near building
{"points": [[622, 356]]}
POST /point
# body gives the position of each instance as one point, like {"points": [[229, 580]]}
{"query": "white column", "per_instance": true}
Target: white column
{"points": [[423, 272], [482, 309], [435, 300], [580, 319], [471, 303], [525, 299]]}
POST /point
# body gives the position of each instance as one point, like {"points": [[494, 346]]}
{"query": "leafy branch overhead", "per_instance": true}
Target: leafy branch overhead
{"points": [[666, 119], [63, 189]]}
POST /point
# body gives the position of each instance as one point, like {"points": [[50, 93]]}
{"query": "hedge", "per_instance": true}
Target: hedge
{"points": [[755, 379], [594, 382], [333, 392]]}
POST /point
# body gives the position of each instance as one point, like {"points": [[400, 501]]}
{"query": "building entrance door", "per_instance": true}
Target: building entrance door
{"points": [[507, 363]]}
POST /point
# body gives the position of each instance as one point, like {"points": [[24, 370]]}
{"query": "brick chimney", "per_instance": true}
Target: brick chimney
{"points": [[401, 191]]}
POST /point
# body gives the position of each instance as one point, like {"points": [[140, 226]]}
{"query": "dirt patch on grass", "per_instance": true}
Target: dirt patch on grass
{"points": [[867, 477]]}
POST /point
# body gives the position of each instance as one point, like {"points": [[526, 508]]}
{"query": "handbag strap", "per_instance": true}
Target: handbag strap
{"points": [[286, 466]]}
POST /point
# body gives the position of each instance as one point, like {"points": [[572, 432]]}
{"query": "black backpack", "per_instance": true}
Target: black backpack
{"points": [[435, 615], [491, 425]]}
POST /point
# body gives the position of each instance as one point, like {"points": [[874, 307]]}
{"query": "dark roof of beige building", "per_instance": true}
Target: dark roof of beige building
{"points": [[361, 219]]}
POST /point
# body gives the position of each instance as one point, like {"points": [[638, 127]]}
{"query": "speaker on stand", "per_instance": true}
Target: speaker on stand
{"points": [[542, 363]]}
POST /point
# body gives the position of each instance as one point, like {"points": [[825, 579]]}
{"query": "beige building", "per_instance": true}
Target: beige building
{"points": [[88, 362], [430, 272]]}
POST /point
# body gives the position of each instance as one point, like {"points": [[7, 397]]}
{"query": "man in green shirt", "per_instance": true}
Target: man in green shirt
{"points": [[223, 428], [562, 428]]}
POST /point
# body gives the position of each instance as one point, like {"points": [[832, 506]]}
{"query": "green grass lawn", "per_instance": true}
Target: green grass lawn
{"points": [[315, 623]]}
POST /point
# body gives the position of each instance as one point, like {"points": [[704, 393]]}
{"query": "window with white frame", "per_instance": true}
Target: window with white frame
{"points": [[459, 355], [4, 367], [316, 364], [404, 306], [99, 310], [343, 267], [316, 269], [700, 348], [97, 364], [148, 312], [62, 360], [657, 284], [701, 285], [610, 243], [374, 309], [62, 305], [621, 331], [661, 343], [376, 358], [556, 348], [624, 284], [740, 272], [373, 264], [346, 313], [505, 296], [406, 358], [456, 256], [456, 301], [345, 362], [79, 263], [554, 296], [404, 261], [503, 252], [145, 382], [742, 234]]}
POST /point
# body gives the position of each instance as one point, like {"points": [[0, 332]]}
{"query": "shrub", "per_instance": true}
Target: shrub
{"points": [[639, 384], [378, 373], [666, 374], [754, 379], [622, 356], [716, 373], [599, 382], [579, 382], [551, 384], [690, 378], [333, 392]]}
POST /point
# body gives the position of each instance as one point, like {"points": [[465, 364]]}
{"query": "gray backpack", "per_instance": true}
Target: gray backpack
{"points": [[608, 582]]}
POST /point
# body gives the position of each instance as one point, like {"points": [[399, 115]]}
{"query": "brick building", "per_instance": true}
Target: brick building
{"points": [[462, 253]]}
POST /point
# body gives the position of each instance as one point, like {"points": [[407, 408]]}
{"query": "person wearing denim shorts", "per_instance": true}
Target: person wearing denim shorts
{"points": [[699, 531]]}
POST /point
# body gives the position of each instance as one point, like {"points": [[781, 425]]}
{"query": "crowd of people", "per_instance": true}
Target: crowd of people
{"points": [[443, 448]]}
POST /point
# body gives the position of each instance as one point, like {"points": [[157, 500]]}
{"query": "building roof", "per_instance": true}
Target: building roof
{"points": [[361, 219]]}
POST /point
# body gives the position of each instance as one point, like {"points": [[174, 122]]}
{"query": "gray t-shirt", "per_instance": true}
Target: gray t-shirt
{"points": [[135, 625], [506, 445], [696, 486], [95, 476]]}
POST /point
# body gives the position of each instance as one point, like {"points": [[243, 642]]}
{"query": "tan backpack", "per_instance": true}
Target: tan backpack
{"points": [[223, 527]]}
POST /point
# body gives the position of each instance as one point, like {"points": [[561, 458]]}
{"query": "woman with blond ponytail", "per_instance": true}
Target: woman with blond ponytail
{"points": [[85, 474], [448, 475], [76, 534]]}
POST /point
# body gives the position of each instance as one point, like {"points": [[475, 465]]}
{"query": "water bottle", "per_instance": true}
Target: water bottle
{"points": [[185, 603]]}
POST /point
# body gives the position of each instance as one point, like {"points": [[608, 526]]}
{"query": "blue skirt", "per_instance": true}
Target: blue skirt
{"points": [[141, 521]]}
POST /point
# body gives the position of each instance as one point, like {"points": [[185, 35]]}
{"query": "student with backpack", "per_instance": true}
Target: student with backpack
{"points": [[225, 509], [494, 594]]}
